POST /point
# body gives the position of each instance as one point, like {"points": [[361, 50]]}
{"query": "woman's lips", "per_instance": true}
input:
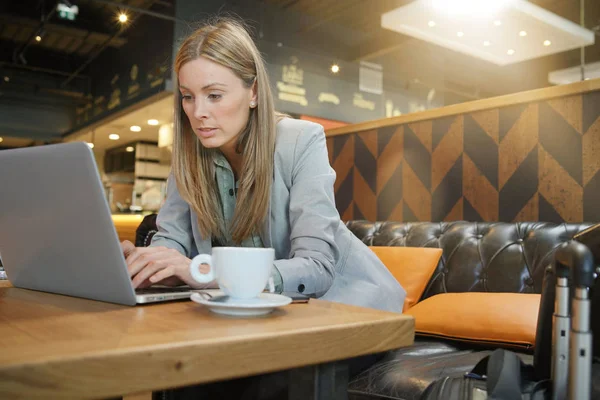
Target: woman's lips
{"points": [[206, 132]]}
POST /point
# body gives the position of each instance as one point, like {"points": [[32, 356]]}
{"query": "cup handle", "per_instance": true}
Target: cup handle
{"points": [[195, 268]]}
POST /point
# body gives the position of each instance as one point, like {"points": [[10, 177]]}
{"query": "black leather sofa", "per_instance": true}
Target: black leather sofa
{"points": [[477, 257]]}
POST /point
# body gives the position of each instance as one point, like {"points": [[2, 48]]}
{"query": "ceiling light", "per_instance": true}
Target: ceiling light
{"points": [[165, 135], [122, 17], [499, 28], [90, 145], [522, 33], [38, 38], [510, 52], [129, 149], [114, 136], [135, 128], [469, 7], [460, 34], [152, 122], [1, 140], [547, 43], [335, 68], [6, 79], [486, 43], [431, 24], [573, 74]]}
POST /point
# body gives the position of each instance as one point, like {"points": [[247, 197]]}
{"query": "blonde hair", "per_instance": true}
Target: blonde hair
{"points": [[226, 41]]}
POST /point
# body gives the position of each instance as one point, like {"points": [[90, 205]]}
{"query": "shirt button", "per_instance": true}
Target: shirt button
{"points": [[301, 288], [231, 192]]}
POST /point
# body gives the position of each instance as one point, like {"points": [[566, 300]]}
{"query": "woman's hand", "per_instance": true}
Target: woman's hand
{"points": [[158, 265]]}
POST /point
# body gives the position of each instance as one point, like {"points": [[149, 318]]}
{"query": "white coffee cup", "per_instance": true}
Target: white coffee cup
{"points": [[241, 272]]}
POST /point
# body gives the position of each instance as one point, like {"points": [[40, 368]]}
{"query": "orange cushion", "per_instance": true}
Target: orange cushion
{"points": [[411, 266], [496, 318]]}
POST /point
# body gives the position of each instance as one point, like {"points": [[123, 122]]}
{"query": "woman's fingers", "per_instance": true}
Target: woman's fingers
{"points": [[162, 274], [146, 272], [168, 263], [142, 256], [127, 247]]}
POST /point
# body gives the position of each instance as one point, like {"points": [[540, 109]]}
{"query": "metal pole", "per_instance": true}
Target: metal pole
{"points": [[20, 51]]}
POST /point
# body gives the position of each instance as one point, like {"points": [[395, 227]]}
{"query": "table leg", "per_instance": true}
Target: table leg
{"points": [[319, 382]]}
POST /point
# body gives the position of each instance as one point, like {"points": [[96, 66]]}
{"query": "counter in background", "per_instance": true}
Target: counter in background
{"points": [[126, 225]]}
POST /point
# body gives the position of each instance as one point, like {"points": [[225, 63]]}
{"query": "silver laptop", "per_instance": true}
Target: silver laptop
{"points": [[56, 230]]}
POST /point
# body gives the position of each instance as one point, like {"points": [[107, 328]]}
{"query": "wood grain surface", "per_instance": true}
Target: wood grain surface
{"points": [[59, 346]]}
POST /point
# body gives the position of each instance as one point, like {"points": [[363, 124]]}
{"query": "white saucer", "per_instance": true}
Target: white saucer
{"points": [[261, 305]]}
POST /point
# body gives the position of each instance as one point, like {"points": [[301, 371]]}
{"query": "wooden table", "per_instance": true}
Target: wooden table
{"points": [[58, 346]]}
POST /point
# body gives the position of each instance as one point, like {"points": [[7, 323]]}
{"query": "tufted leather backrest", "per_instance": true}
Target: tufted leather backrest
{"points": [[477, 256]]}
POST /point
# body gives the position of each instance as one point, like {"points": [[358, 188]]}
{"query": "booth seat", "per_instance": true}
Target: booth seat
{"points": [[484, 293]]}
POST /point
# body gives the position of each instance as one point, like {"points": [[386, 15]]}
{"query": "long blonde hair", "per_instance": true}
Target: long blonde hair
{"points": [[227, 42]]}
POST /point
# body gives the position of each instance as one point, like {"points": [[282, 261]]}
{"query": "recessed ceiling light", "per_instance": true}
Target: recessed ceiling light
{"points": [[38, 38], [135, 128], [335, 68], [114, 136], [129, 149], [523, 33], [90, 145], [152, 122], [510, 52], [547, 43], [460, 34], [486, 43], [122, 17], [1, 140], [431, 24], [412, 18]]}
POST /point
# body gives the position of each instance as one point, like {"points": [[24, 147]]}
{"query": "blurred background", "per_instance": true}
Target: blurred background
{"points": [[99, 71]]}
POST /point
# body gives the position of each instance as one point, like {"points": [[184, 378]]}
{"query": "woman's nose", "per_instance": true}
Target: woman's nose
{"points": [[200, 111]]}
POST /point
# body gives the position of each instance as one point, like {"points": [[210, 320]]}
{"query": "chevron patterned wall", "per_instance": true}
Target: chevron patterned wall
{"points": [[529, 162]]}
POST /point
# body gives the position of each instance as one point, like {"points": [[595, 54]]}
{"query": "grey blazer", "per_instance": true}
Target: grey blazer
{"points": [[315, 252]]}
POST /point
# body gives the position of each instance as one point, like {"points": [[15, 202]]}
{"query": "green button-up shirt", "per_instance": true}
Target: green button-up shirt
{"points": [[227, 187]]}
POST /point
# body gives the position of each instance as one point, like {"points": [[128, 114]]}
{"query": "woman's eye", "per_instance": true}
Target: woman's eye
{"points": [[186, 97], [214, 96]]}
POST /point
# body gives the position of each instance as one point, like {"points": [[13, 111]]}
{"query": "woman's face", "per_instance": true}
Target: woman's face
{"points": [[216, 102]]}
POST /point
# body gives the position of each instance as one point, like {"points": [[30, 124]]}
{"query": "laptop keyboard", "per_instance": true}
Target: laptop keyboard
{"points": [[162, 290]]}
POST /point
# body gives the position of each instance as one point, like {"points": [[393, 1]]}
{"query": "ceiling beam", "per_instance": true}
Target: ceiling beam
{"points": [[380, 44]]}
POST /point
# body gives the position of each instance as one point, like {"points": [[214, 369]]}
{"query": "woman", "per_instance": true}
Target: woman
{"points": [[243, 175]]}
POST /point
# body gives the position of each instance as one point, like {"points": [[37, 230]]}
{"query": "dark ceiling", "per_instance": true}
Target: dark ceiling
{"points": [[57, 64]]}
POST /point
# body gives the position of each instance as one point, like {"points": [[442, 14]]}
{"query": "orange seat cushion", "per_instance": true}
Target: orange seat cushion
{"points": [[495, 318], [411, 266]]}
